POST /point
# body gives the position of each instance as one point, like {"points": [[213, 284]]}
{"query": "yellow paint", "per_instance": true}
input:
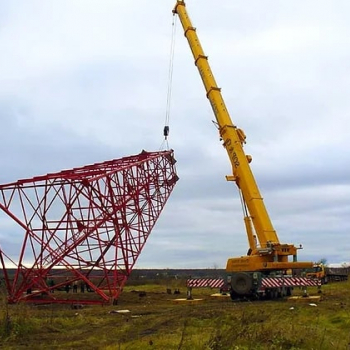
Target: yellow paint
{"points": [[270, 254]]}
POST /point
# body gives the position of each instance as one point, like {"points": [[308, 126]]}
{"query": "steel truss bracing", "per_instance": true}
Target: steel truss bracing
{"points": [[84, 226]]}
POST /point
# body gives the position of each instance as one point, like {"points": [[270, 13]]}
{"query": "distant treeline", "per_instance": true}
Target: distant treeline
{"points": [[140, 274], [176, 273]]}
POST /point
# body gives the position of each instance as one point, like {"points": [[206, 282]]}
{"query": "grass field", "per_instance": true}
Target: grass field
{"points": [[155, 321]]}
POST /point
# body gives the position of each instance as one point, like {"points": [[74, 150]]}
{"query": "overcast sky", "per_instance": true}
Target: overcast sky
{"points": [[86, 81]]}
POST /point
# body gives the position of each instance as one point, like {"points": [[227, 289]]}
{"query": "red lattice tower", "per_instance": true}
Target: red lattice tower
{"points": [[84, 226]]}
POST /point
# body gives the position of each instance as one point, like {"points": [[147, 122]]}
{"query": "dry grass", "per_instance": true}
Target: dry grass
{"points": [[155, 322]]}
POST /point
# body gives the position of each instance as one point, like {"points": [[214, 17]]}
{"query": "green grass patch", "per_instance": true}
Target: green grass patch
{"points": [[156, 322]]}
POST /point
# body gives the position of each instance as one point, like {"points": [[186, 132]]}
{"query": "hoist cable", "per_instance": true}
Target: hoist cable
{"points": [[244, 206], [170, 80], [164, 144]]}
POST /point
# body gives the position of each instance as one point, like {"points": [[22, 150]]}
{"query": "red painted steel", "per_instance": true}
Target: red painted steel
{"points": [[84, 227]]}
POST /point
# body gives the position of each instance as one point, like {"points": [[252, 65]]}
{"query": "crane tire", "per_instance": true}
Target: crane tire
{"points": [[241, 283]]}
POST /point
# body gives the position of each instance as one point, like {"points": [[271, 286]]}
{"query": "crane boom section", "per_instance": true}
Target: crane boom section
{"points": [[232, 137]]}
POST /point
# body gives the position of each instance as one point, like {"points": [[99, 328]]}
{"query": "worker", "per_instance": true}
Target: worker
{"points": [[82, 286], [67, 286], [75, 287], [51, 284]]}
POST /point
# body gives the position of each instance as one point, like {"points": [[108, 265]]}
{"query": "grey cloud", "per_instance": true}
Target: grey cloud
{"points": [[86, 83], [30, 151]]}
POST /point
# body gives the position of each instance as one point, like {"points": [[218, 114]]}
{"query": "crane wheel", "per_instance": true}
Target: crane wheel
{"points": [[241, 283]]}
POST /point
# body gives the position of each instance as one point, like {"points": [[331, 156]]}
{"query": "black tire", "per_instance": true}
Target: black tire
{"points": [[241, 283]]}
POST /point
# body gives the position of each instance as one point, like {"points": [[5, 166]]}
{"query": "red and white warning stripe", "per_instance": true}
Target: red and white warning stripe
{"points": [[267, 282], [205, 282], [277, 282]]}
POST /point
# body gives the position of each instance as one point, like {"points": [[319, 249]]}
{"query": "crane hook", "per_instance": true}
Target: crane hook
{"points": [[166, 131]]}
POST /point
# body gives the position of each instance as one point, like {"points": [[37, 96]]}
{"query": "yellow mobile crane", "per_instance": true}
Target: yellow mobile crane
{"points": [[267, 257]]}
